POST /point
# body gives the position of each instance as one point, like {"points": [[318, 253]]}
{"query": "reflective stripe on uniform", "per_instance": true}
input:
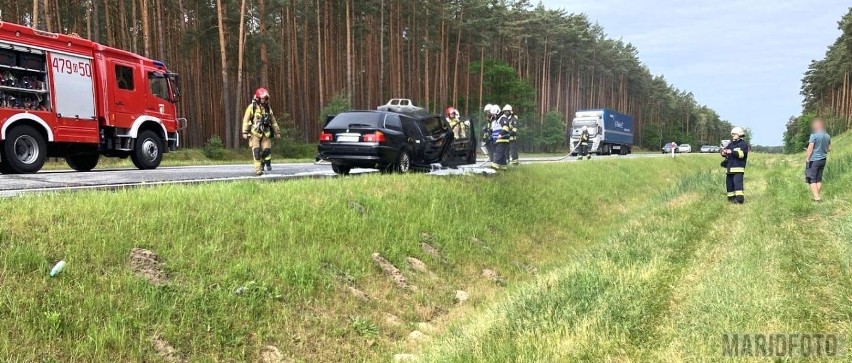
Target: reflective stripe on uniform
{"points": [[731, 194], [502, 140], [739, 152], [739, 193], [736, 170]]}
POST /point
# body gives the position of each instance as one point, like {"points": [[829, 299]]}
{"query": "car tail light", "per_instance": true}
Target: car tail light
{"points": [[326, 137], [377, 137]]}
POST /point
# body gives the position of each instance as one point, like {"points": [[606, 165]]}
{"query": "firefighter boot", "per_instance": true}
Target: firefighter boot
{"points": [[258, 164]]}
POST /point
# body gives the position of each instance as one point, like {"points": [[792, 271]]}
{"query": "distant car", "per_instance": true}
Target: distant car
{"points": [[684, 148], [667, 148], [401, 105], [392, 142], [706, 149], [716, 149]]}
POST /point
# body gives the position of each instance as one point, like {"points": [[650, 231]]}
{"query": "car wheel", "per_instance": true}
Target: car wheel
{"points": [[148, 151], [24, 150], [403, 162], [83, 161], [341, 169]]}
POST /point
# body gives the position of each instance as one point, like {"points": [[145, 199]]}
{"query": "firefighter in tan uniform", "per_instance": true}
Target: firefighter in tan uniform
{"points": [[259, 127]]}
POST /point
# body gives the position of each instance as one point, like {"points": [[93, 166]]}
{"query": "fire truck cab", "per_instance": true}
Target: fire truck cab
{"points": [[64, 96]]}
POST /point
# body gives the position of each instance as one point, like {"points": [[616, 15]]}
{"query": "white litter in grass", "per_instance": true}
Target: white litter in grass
{"points": [[57, 268]]}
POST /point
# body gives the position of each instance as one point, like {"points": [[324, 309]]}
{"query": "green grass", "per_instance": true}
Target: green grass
{"points": [[666, 284], [618, 259]]}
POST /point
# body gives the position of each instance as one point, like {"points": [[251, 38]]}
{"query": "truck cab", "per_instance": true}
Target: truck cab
{"points": [[609, 131]]}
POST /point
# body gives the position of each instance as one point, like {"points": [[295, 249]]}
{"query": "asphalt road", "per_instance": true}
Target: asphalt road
{"points": [[11, 185]]}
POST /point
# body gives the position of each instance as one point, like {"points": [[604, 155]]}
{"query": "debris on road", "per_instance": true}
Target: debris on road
{"points": [[463, 171], [393, 272], [148, 265]]}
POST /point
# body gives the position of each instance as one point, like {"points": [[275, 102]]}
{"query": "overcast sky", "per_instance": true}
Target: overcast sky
{"points": [[744, 58]]}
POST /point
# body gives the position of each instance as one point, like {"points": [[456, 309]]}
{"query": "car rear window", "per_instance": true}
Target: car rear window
{"points": [[355, 119]]}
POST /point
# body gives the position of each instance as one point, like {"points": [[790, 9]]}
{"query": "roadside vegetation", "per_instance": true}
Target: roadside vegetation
{"points": [[665, 284], [251, 266], [617, 259]]}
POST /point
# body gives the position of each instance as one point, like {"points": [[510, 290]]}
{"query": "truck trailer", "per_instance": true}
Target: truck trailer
{"points": [[610, 131], [65, 96]]}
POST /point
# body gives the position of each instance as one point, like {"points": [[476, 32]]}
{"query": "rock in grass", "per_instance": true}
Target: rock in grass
{"points": [[148, 265], [493, 276], [404, 357], [271, 354], [358, 293], [166, 351], [419, 266], [398, 279], [417, 336], [461, 296], [392, 320], [431, 250], [426, 328]]}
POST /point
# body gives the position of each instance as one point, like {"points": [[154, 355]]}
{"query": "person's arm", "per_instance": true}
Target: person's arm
{"points": [[810, 149], [247, 122]]}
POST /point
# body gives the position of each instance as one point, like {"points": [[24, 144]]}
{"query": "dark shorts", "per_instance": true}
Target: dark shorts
{"points": [[813, 172]]}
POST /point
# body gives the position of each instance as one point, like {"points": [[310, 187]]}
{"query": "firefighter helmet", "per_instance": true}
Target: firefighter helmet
{"points": [[487, 108], [584, 128], [261, 93], [738, 131], [495, 109], [507, 108]]}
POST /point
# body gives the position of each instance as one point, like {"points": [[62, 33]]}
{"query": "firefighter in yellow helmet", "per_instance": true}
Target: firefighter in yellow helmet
{"points": [[259, 127]]}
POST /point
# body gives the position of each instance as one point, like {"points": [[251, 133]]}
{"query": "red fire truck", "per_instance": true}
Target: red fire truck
{"points": [[64, 96]]}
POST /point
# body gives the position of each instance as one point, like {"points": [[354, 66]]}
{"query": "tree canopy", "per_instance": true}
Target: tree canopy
{"points": [[306, 52], [827, 90]]}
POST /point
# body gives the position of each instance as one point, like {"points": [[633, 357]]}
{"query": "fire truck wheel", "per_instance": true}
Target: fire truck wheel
{"points": [[83, 161], [24, 150], [148, 151]]}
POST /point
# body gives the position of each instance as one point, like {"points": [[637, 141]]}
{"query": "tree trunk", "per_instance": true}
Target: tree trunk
{"points": [[146, 40], [240, 56], [226, 89], [264, 52], [34, 23], [349, 84], [96, 23]]}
